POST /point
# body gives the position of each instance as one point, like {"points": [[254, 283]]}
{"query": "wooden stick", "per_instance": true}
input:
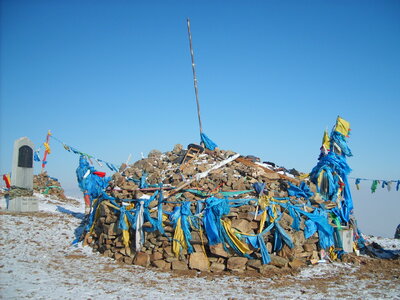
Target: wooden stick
{"points": [[194, 75]]}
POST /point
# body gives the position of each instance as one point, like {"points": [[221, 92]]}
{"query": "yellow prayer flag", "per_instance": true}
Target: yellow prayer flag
{"points": [[326, 141], [342, 126]]}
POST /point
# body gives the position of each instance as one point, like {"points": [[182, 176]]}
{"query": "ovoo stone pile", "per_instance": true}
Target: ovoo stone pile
{"points": [[44, 184], [178, 174]]}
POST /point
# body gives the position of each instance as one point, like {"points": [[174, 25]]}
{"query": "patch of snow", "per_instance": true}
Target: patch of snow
{"points": [[39, 261], [385, 243], [264, 165]]}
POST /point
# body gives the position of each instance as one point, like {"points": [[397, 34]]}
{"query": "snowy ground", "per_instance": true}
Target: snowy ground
{"points": [[38, 261]]}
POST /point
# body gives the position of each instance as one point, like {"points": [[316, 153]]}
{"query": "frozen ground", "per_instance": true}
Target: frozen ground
{"points": [[38, 261]]}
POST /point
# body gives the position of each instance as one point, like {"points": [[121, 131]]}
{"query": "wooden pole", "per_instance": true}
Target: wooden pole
{"points": [[194, 76]]}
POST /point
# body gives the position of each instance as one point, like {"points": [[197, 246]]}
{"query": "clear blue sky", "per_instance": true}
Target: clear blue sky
{"points": [[114, 77]]}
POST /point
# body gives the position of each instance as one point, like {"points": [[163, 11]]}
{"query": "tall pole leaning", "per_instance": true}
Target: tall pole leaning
{"points": [[194, 76]]}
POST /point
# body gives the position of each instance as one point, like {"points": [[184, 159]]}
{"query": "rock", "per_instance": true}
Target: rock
{"points": [[298, 238], [309, 247], [279, 262], [177, 149], [113, 229], [296, 263], [269, 247], [199, 261], [142, 259], [218, 250], [156, 256], [198, 248], [217, 267], [118, 257], [179, 265], [286, 221], [254, 264], [236, 264], [270, 175], [245, 215], [154, 153], [122, 167], [255, 225], [286, 252], [168, 253], [242, 225], [159, 264], [311, 240], [268, 269], [128, 260], [171, 259], [305, 254]]}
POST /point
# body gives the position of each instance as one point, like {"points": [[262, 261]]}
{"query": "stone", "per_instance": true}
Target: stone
{"points": [[311, 240], [198, 248], [154, 153], [270, 175], [212, 259], [286, 252], [236, 264], [128, 260], [142, 259], [254, 264], [267, 269], [159, 264], [255, 225], [298, 238], [309, 247], [278, 261], [218, 250], [156, 256], [296, 263], [245, 215], [286, 221], [242, 225], [118, 256], [179, 265], [167, 252], [217, 267], [305, 254], [199, 261], [171, 259], [269, 247], [113, 229], [177, 149]]}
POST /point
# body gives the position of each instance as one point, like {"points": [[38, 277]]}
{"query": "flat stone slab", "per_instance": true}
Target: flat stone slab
{"points": [[23, 204]]}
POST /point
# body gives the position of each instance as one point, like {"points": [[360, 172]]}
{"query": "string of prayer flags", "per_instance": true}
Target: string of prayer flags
{"points": [[111, 166], [375, 183]]}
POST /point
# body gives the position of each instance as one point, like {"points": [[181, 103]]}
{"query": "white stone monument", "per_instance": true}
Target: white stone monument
{"points": [[22, 164], [22, 175]]}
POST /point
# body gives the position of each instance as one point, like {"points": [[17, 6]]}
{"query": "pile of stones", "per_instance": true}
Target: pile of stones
{"points": [[44, 184], [18, 192], [173, 169]]}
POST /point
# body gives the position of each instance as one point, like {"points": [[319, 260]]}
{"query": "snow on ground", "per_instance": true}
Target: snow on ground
{"points": [[389, 244], [38, 261]]}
